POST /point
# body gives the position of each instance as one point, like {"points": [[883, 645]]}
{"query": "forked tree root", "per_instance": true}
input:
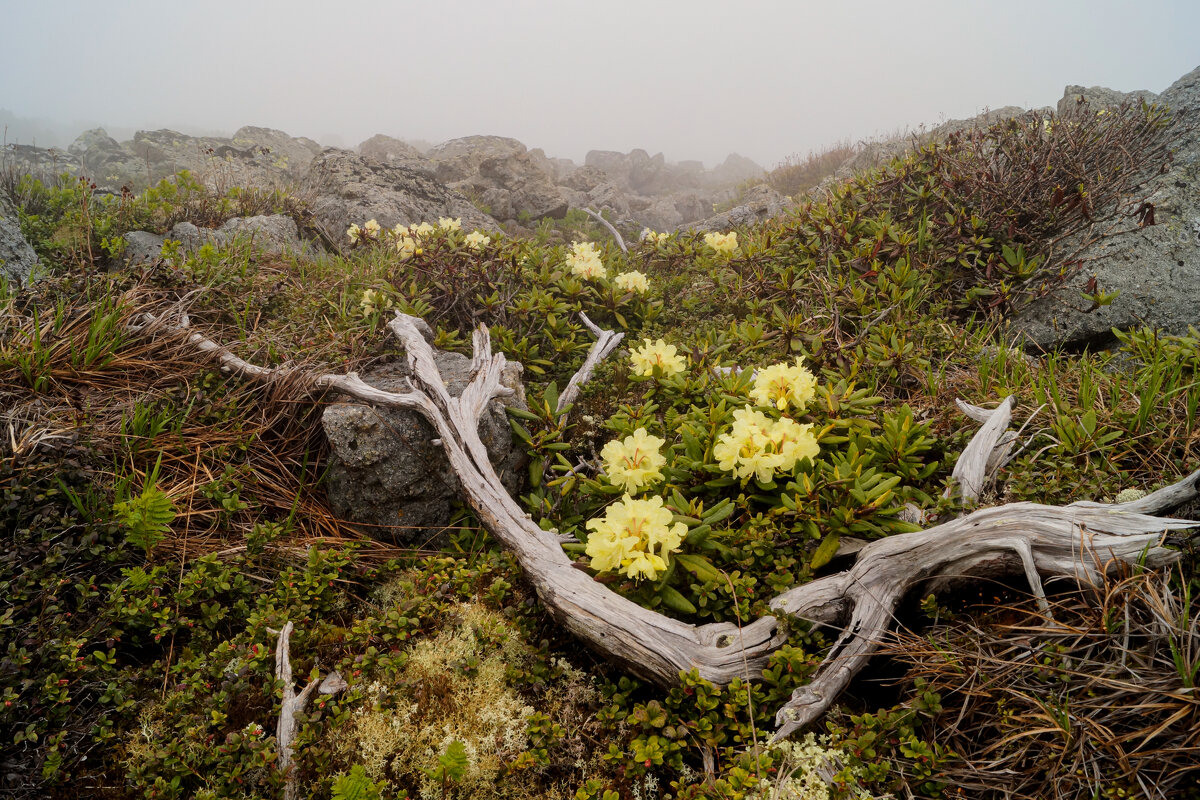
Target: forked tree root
{"points": [[294, 704], [1079, 541]]}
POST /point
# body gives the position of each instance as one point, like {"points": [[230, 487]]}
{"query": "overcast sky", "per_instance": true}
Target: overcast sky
{"points": [[695, 79]]}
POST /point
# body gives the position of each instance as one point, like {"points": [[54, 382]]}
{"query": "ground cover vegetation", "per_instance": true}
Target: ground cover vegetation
{"points": [[785, 392]]}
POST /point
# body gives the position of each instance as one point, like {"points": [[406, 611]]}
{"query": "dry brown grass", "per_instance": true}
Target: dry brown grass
{"points": [[1097, 698], [796, 174]]}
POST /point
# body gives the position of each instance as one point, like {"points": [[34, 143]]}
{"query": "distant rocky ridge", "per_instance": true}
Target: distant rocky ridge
{"points": [[486, 180], [500, 177]]}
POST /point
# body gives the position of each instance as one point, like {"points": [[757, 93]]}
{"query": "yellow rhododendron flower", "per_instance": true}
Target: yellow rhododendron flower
{"points": [[422, 230], [725, 244], [373, 301], [477, 241], [354, 232], [633, 281], [448, 224], [665, 357], [585, 262], [406, 245], [635, 461], [654, 238], [758, 446], [371, 228], [634, 537], [781, 385]]}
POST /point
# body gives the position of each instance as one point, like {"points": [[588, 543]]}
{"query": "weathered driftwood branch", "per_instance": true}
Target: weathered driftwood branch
{"points": [[606, 342], [1078, 541], [293, 704], [616, 233], [987, 451]]}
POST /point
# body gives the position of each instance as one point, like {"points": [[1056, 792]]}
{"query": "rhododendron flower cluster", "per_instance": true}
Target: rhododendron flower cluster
{"points": [[419, 231], [634, 537], [406, 246], [477, 241], [654, 238], [635, 461], [367, 232], [760, 447], [782, 385], [633, 281], [585, 262], [373, 301], [657, 355], [448, 224], [725, 244]]}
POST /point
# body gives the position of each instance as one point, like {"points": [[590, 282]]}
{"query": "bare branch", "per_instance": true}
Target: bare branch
{"points": [[972, 470], [616, 234], [606, 342], [1075, 541], [293, 704]]}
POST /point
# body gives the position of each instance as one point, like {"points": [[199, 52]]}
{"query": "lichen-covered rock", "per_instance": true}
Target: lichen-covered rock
{"points": [[103, 159], [273, 234], [459, 159], [1097, 97], [43, 163], [759, 204], [1156, 269], [17, 258], [277, 149], [388, 476], [390, 150], [351, 188], [142, 248]]}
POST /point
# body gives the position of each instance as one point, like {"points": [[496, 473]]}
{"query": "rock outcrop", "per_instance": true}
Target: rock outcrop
{"points": [[510, 181], [759, 204], [274, 234], [252, 157], [387, 475], [17, 258], [390, 150], [1156, 268], [351, 189]]}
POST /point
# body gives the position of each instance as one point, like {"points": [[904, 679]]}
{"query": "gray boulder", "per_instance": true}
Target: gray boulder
{"points": [[733, 170], [277, 149], [43, 163], [460, 159], [17, 258], [351, 189], [274, 234], [759, 204], [390, 150], [1156, 269], [584, 179], [610, 196], [1097, 97], [103, 159], [528, 183], [142, 248], [385, 472], [253, 157]]}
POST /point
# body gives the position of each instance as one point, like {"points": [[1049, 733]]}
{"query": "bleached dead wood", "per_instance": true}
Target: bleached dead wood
{"points": [[606, 342], [1078, 541], [293, 704], [986, 451], [616, 233]]}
